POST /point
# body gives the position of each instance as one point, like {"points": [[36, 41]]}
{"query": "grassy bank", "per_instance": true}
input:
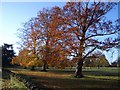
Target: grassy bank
{"points": [[7, 82]]}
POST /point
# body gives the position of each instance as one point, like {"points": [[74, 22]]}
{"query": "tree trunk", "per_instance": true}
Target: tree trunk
{"points": [[33, 68], [25, 67], [44, 66], [78, 72]]}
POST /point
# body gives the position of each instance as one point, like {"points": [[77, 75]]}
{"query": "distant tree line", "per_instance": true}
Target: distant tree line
{"points": [[116, 63]]}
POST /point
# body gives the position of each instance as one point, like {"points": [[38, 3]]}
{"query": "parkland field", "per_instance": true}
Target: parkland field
{"points": [[63, 79]]}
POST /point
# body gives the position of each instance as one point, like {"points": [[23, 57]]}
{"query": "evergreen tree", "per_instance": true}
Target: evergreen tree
{"points": [[7, 54]]}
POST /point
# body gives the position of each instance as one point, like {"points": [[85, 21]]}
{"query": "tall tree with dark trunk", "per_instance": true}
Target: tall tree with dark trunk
{"points": [[50, 33], [44, 18], [84, 24]]}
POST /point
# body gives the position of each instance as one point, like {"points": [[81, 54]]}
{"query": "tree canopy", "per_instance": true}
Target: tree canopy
{"points": [[74, 30]]}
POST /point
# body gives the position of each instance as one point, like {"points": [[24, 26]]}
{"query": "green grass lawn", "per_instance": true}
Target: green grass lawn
{"points": [[102, 78], [8, 83], [5, 80]]}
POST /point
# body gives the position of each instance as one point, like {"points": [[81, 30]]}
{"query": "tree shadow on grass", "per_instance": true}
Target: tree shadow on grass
{"points": [[5, 74], [91, 83], [104, 82], [53, 83], [100, 73], [62, 71]]}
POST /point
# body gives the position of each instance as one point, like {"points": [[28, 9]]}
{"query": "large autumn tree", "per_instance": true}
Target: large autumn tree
{"points": [[40, 35], [29, 36], [49, 24], [87, 29]]}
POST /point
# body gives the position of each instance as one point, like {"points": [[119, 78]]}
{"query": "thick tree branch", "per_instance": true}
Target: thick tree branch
{"points": [[99, 35], [89, 53]]}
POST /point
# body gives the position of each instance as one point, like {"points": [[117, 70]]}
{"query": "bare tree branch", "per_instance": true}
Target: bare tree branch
{"points": [[99, 35], [89, 53]]}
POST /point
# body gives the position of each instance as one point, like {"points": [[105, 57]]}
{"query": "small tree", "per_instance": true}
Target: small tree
{"points": [[25, 59], [101, 61]]}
